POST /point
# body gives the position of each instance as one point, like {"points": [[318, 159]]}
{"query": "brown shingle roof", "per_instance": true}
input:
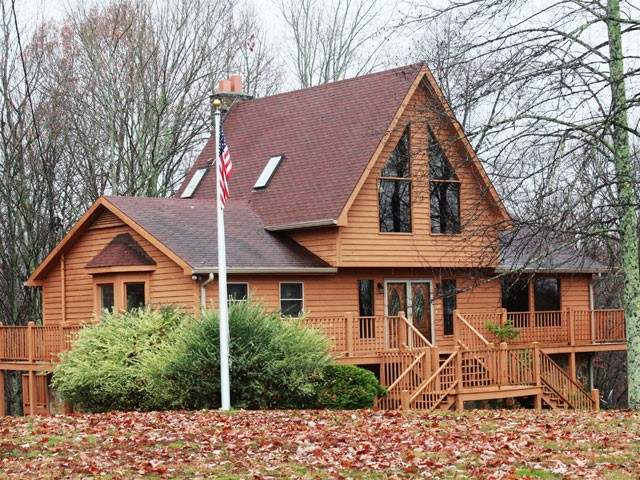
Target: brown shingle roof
{"points": [[188, 229], [327, 135], [123, 250]]}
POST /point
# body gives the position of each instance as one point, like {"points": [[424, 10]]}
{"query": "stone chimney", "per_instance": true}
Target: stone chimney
{"points": [[229, 91]]}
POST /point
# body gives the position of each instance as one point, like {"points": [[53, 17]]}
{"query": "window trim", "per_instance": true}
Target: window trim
{"points": [[235, 300], [119, 281], [300, 299]]}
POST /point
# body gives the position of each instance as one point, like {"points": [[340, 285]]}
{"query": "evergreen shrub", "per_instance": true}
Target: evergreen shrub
{"points": [[348, 387]]}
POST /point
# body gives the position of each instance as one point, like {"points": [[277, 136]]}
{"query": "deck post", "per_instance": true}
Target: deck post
{"points": [[32, 392], [572, 367], [3, 347], [460, 382], [31, 344], [402, 331], [456, 328], [349, 333], [536, 364], [2, 397], [503, 317], [595, 396], [404, 400], [571, 326], [426, 366], [435, 364], [503, 375]]}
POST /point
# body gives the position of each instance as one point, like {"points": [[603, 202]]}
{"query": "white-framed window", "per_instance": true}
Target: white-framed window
{"points": [[237, 291], [291, 299]]}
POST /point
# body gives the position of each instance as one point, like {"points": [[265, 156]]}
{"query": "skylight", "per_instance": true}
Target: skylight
{"points": [[193, 183], [267, 173]]}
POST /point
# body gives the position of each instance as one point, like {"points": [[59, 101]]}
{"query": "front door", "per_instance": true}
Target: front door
{"points": [[414, 298]]}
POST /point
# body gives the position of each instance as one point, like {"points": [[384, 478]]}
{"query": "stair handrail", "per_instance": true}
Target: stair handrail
{"points": [[416, 334], [411, 366], [548, 366], [475, 334], [421, 388]]}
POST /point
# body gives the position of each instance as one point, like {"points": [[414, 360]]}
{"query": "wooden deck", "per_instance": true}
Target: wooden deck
{"points": [[417, 373]]}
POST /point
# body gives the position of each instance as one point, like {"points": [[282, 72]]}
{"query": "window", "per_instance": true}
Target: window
{"points": [[394, 189], [237, 292], [267, 173], [546, 294], [135, 295], [291, 299], [445, 191], [365, 298], [365, 309], [119, 292], [193, 183], [107, 297], [449, 302], [515, 295]]}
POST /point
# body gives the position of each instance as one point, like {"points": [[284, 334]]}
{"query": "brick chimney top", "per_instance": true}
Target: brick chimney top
{"points": [[230, 90]]}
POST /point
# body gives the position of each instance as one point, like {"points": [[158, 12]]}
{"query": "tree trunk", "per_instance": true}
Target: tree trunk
{"points": [[626, 202]]}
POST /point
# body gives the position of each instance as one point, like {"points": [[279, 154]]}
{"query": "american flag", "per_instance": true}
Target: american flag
{"points": [[224, 169]]}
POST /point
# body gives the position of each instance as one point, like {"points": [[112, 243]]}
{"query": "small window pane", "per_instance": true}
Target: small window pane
{"points": [[291, 300], [237, 292], [267, 173], [193, 183], [395, 205], [107, 297], [365, 297], [398, 164], [445, 207], [515, 295], [439, 166], [449, 302], [546, 293], [135, 295]]}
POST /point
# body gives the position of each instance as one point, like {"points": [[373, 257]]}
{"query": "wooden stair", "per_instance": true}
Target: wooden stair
{"points": [[418, 379]]}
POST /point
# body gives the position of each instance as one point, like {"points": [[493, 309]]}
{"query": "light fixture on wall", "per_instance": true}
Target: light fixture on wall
{"points": [[380, 287]]}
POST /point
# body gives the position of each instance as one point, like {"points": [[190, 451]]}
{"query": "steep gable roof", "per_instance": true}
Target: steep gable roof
{"points": [[327, 135]]}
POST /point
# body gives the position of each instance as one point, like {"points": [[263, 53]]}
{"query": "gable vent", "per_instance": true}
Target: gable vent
{"points": [[266, 175]]}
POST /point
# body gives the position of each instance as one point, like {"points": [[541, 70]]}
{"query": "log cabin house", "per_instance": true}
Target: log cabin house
{"points": [[361, 205]]}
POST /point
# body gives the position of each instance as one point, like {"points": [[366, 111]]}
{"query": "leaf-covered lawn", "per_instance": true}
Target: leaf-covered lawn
{"points": [[323, 444]]}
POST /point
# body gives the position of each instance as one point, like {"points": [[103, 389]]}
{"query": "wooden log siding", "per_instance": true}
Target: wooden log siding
{"points": [[360, 241]]}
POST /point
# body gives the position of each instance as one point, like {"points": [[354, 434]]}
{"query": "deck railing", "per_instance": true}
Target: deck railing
{"points": [[353, 336], [566, 327], [35, 343]]}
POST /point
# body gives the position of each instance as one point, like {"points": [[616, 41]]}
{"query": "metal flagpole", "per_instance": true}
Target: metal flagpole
{"points": [[225, 396]]}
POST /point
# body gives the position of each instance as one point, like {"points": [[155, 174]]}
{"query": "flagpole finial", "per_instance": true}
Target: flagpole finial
{"points": [[217, 103]]}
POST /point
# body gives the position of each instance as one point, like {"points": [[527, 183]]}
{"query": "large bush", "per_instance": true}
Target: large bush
{"points": [[347, 387], [107, 369], [275, 363]]}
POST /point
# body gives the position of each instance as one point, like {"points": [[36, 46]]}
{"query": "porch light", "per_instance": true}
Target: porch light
{"points": [[380, 287]]}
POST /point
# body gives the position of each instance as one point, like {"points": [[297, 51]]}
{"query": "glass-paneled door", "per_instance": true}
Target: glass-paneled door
{"points": [[414, 298]]}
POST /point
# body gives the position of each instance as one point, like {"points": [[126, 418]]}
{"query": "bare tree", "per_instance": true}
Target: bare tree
{"points": [[559, 138], [334, 39], [136, 79]]}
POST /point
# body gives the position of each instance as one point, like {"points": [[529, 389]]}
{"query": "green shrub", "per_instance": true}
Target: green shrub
{"points": [[107, 369], [273, 363], [503, 332], [347, 387]]}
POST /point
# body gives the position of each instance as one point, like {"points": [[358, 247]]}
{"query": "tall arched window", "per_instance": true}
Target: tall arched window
{"points": [[445, 191], [394, 189]]}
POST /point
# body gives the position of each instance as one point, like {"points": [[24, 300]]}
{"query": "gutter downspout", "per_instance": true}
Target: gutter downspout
{"points": [[203, 292]]}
